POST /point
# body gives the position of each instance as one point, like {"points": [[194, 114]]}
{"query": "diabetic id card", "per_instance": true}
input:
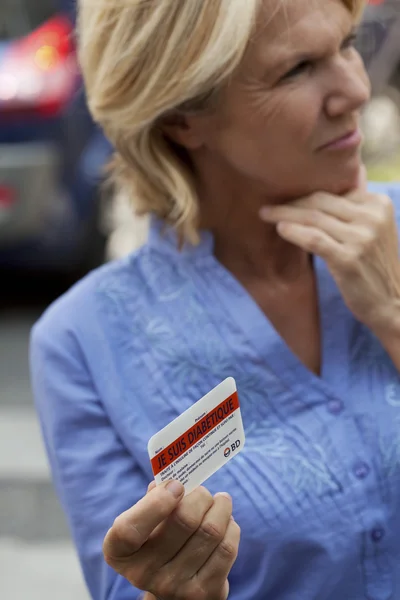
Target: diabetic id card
{"points": [[201, 440]]}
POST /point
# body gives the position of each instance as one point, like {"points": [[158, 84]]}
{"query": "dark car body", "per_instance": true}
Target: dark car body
{"points": [[51, 153]]}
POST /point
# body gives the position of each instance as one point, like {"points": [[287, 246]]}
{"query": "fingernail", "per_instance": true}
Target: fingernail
{"points": [[151, 486], [265, 211], [232, 519], [175, 488], [224, 494], [282, 227]]}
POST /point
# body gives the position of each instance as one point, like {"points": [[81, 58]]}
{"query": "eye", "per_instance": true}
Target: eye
{"points": [[350, 41], [299, 69]]}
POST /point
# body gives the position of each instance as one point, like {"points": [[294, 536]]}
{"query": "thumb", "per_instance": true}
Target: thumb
{"points": [[134, 526]]}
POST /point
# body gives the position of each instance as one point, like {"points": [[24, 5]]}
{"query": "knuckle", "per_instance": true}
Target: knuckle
{"points": [[236, 529], [313, 218], [357, 254], [205, 495], [227, 550], [188, 515], [198, 593], [381, 217], [385, 201], [166, 588], [386, 208], [368, 237], [224, 502], [186, 520], [349, 259], [204, 594], [315, 241], [314, 198], [222, 594], [211, 531]]}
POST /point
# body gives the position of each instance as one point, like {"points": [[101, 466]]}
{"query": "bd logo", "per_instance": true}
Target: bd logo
{"points": [[231, 448]]}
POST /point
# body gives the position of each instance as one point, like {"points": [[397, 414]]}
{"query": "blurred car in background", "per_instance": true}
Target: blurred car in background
{"points": [[379, 44], [51, 153]]}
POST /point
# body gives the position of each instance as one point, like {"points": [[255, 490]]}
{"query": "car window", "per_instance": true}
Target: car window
{"points": [[20, 17]]}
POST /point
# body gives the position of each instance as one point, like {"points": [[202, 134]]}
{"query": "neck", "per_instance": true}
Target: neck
{"points": [[244, 244], [255, 251]]}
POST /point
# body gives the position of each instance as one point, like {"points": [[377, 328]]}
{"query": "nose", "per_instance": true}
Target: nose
{"points": [[349, 87]]}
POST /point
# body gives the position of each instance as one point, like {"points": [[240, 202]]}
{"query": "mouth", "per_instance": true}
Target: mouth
{"points": [[348, 141]]}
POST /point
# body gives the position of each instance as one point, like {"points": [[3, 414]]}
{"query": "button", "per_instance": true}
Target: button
{"points": [[377, 534], [361, 470], [335, 407]]}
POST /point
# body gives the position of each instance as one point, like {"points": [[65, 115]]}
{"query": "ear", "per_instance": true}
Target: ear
{"points": [[183, 129]]}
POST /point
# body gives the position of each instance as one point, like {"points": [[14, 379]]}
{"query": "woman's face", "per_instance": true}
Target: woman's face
{"points": [[300, 86]]}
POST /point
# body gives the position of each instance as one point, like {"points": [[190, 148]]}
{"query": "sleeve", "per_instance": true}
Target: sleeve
{"points": [[95, 477], [390, 188], [393, 191]]}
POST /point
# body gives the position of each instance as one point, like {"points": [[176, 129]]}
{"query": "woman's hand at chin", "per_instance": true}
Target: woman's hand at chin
{"points": [[356, 235]]}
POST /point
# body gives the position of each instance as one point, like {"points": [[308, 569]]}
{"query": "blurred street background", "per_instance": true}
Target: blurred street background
{"points": [[57, 221], [36, 558]]}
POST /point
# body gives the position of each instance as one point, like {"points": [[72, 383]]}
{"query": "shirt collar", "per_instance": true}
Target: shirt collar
{"points": [[163, 237]]}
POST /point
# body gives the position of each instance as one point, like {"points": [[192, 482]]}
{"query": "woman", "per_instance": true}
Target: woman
{"points": [[236, 125]]}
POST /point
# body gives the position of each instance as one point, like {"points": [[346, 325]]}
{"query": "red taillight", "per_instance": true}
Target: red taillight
{"points": [[40, 73], [55, 35], [7, 197]]}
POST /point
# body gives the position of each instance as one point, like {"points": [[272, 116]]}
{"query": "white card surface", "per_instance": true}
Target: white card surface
{"points": [[201, 440]]}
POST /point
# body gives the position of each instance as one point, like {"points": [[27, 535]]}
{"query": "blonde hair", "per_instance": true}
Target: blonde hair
{"points": [[142, 59]]}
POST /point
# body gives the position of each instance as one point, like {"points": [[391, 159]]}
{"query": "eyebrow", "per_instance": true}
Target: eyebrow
{"points": [[295, 57]]}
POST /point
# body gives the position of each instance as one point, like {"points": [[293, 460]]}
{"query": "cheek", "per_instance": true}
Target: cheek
{"points": [[291, 118], [269, 132], [282, 126], [262, 120]]}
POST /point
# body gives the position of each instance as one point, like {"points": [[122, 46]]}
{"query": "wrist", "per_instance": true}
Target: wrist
{"points": [[387, 328]]}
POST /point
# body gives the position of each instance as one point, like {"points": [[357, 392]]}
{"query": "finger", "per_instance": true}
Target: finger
{"points": [[173, 534], [151, 486], [362, 179], [206, 539], [312, 240], [133, 527], [340, 207], [335, 228], [217, 568]]}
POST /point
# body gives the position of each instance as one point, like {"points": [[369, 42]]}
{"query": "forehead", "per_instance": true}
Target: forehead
{"points": [[301, 26]]}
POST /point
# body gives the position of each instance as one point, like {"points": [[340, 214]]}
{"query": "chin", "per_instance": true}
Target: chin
{"points": [[342, 181]]}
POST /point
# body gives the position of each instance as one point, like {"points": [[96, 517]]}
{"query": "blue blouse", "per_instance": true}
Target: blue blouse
{"points": [[316, 489]]}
